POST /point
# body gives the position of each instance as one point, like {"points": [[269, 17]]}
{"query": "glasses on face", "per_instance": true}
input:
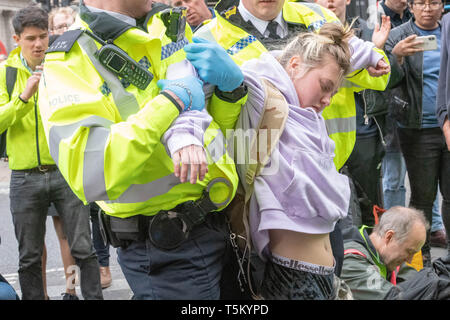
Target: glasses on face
{"points": [[61, 27], [433, 5]]}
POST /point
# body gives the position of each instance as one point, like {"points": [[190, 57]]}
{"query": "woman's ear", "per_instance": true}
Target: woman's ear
{"points": [[294, 62], [293, 66]]}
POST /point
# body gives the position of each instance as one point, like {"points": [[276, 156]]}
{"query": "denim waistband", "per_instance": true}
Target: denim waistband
{"points": [[301, 265]]}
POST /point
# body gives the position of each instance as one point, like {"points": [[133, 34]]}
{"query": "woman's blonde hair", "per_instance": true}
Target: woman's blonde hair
{"points": [[68, 11], [314, 48]]}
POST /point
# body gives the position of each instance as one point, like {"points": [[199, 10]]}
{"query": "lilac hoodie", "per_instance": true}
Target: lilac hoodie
{"points": [[307, 194]]}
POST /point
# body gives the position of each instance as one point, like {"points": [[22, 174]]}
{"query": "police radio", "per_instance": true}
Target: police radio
{"points": [[174, 20], [121, 64]]}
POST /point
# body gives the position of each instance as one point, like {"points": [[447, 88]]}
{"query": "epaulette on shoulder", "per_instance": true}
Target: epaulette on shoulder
{"points": [[65, 41]]}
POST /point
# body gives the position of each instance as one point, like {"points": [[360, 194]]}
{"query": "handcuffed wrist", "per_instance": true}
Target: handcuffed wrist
{"points": [[187, 106]]}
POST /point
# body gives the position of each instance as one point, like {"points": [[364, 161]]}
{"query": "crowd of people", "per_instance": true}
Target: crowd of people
{"points": [[130, 111]]}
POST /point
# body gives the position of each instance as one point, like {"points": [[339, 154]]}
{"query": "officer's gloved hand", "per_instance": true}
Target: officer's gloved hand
{"points": [[188, 89], [213, 64]]}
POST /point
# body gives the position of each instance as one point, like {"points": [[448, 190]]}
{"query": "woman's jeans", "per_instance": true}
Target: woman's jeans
{"points": [[428, 163], [7, 292], [31, 193], [394, 171]]}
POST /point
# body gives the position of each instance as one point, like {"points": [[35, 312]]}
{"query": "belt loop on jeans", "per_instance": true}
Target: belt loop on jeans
{"points": [[42, 168]]}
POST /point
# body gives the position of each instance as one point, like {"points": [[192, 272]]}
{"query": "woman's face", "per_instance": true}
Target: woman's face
{"points": [[316, 87]]}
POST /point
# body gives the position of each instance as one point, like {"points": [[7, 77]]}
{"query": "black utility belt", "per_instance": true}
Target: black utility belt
{"points": [[166, 230], [40, 169]]}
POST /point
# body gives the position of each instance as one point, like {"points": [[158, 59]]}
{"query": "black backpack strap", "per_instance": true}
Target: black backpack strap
{"points": [[11, 77]]}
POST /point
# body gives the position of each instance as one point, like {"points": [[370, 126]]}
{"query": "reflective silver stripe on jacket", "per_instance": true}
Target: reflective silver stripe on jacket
{"points": [[58, 133], [340, 125], [125, 101], [94, 183], [142, 192], [93, 167], [93, 179], [314, 7], [99, 131]]}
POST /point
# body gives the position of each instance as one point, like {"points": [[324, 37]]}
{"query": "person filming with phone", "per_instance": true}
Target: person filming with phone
{"points": [[413, 49]]}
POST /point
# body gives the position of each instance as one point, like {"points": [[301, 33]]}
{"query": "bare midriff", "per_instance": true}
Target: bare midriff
{"points": [[312, 248]]}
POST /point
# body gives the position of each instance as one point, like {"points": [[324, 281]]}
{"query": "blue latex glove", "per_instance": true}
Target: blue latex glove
{"points": [[213, 64], [188, 89]]}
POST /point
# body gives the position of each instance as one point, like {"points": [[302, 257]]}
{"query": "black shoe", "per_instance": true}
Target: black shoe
{"points": [[68, 296], [438, 239]]}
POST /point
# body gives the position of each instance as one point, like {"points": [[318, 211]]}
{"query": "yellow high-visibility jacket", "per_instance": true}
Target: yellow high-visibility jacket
{"points": [[340, 116], [25, 140], [105, 135]]}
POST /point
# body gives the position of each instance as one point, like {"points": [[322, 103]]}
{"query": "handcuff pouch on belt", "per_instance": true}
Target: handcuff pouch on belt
{"points": [[170, 228], [166, 230], [120, 232]]}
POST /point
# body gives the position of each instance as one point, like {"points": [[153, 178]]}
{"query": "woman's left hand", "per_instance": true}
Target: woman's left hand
{"points": [[193, 156]]}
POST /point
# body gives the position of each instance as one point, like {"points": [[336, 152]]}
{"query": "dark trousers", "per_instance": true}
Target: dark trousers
{"points": [[101, 249], [428, 163], [31, 193], [364, 166], [190, 272]]}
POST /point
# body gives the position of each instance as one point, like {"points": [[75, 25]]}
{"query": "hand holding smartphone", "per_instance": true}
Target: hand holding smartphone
{"points": [[428, 43]]}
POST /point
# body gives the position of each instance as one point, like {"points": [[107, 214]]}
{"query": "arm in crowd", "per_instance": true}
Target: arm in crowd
{"points": [[89, 137], [397, 72], [397, 48], [187, 132], [216, 67], [362, 78], [366, 55], [20, 103]]}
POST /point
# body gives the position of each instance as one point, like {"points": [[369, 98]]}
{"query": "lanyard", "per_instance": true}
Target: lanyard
{"points": [[25, 64]]}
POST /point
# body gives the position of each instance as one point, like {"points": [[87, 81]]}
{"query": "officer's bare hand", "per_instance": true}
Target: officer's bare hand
{"points": [[192, 156], [406, 47], [381, 33], [381, 69], [32, 84]]}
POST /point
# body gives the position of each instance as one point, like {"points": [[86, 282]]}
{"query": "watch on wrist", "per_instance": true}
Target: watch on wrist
{"points": [[24, 101], [232, 96]]}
